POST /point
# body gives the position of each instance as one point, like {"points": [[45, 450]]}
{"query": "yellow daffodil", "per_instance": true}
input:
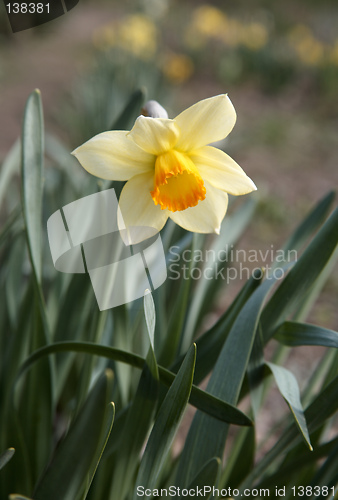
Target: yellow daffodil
{"points": [[170, 169]]}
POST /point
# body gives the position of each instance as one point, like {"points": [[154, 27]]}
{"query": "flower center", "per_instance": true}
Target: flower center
{"points": [[177, 182]]}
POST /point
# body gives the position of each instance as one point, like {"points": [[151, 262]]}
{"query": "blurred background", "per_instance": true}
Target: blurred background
{"points": [[278, 61]]}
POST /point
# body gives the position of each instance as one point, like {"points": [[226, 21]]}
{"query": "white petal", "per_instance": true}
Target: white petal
{"points": [[112, 155], [154, 135], [221, 171], [138, 208], [205, 122], [207, 216]]}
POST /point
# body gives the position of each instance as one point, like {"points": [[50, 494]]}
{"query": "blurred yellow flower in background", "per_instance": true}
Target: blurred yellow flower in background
{"points": [[177, 68], [309, 49], [104, 38], [209, 21], [254, 36], [170, 169], [136, 34]]}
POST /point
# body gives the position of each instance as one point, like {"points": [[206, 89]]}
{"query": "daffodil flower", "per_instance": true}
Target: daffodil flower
{"points": [[170, 169]]}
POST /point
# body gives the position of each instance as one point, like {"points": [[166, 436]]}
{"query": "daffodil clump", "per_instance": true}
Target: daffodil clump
{"points": [[171, 169]]}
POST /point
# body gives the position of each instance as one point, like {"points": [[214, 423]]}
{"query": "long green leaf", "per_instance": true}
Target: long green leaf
{"points": [[32, 177], [150, 315], [200, 399], [131, 111], [288, 387], [10, 166], [241, 459], [231, 229], [70, 470], [206, 479], [12, 224], [301, 277], [140, 413], [6, 456], [327, 475], [35, 403], [178, 313], [166, 424], [206, 438], [314, 220], [18, 497], [210, 343], [322, 408], [295, 334], [296, 463]]}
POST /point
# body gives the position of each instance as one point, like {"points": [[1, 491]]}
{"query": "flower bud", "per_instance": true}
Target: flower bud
{"points": [[154, 109]]}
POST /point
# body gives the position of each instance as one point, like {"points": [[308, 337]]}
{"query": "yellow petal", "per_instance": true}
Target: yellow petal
{"points": [[112, 155], [206, 121], [221, 171], [154, 135], [138, 208], [207, 216]]}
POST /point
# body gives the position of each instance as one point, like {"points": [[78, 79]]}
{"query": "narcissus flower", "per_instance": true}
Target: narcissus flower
{"points": [[170, 169]]}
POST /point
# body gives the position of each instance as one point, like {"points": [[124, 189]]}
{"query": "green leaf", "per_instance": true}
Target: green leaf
{"points": [[131, 111], [178, 314], [207, 436], [101, 444], [10, 166], [288, 387], [231, 229], [210, 343], [314, 220], [293, 465], [6, 456], [140, 413], [15, 288], [322, 408], [241, 458], [12, 224], [35, 402], [327, 475], [70, 471], [206, 478], [301, 277], [32, 178], [149, 312], [295, 334], [18, 497], [200, 399], [166, 424]]}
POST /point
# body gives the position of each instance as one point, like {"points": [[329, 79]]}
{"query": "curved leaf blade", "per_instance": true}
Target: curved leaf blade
{"points": [[166, 424], [140, 413], [288, 387], [296, 334], [202, 400], [207, 436], [206, 478], [301, 277], [73, 465], [6, 456], [32, 177]]}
